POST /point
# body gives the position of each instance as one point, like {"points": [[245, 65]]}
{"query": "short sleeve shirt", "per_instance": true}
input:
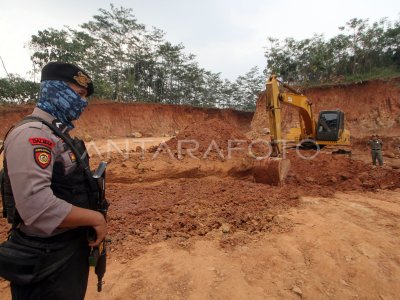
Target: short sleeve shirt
{"points": [[31, 150]]}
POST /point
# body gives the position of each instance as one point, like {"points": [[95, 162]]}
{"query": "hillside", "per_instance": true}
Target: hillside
{"points": [[109, 119], [370, 107]]}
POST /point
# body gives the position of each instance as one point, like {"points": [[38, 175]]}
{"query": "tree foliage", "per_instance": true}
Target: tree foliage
{"points": [[17, 90], [130, 63], [360, 50]]}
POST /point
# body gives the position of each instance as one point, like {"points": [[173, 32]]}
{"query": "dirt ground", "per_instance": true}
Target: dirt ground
{"points": [[187, 221], [341, 247], [202, 229], [193, 228]]}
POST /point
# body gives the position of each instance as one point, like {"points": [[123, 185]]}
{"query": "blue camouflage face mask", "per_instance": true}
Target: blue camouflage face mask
{"points": [[62, 102]]}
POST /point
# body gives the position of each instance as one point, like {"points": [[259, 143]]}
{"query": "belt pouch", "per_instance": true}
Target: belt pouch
{"points": [[19, 263]]}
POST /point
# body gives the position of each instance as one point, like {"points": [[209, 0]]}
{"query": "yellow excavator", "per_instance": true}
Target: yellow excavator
{"points": [[327, 130]]}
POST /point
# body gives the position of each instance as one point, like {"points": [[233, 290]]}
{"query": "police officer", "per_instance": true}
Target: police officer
{"points": [[376, 149], [50, 188]]}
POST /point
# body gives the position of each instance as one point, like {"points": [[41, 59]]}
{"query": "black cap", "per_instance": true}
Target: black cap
{"points": [[69, 73]]}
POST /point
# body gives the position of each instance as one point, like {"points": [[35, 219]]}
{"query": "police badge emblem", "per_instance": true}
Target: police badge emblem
{"points": [[42, 157]]}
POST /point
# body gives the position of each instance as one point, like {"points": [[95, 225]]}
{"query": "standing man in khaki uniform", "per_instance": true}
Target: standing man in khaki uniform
{"points": [[376, 149], [50, 189]]}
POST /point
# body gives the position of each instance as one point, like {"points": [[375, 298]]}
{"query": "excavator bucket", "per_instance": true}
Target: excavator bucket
{"points": [[272, 171]]}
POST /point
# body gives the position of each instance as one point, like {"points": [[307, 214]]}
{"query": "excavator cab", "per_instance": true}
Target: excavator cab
{"points": [[330, 125]]}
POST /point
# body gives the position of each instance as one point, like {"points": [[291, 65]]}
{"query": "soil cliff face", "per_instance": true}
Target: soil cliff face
{"points": [[369, 107], [103, 120], [111, 119]]}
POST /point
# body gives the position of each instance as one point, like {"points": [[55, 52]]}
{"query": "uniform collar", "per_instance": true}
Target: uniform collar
{"points": [[37, 112]]}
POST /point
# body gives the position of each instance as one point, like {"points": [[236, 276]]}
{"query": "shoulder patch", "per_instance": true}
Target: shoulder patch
{"points": [[42, 142], [42, 156]]}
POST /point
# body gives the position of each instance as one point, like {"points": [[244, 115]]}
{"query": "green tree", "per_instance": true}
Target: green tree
{"points": [[18, 90], [247, 88], [360, 50]]}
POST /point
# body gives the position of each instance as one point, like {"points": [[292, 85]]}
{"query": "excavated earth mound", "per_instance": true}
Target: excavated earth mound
{"points": [[194, 207], [326, 173], [209, 134]]}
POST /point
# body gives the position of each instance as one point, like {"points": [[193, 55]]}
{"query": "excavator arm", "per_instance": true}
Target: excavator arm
{"points": [[274, 169], [275, 100]]}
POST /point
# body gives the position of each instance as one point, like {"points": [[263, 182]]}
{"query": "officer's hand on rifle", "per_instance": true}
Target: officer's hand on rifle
{"points": [[86, 217], [101, 231]]}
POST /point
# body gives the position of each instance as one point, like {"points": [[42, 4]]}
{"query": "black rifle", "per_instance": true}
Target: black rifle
{"points": [[98, 254]]}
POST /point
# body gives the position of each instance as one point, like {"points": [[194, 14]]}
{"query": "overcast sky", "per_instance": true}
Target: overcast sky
{"points": [[227, 36]]}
